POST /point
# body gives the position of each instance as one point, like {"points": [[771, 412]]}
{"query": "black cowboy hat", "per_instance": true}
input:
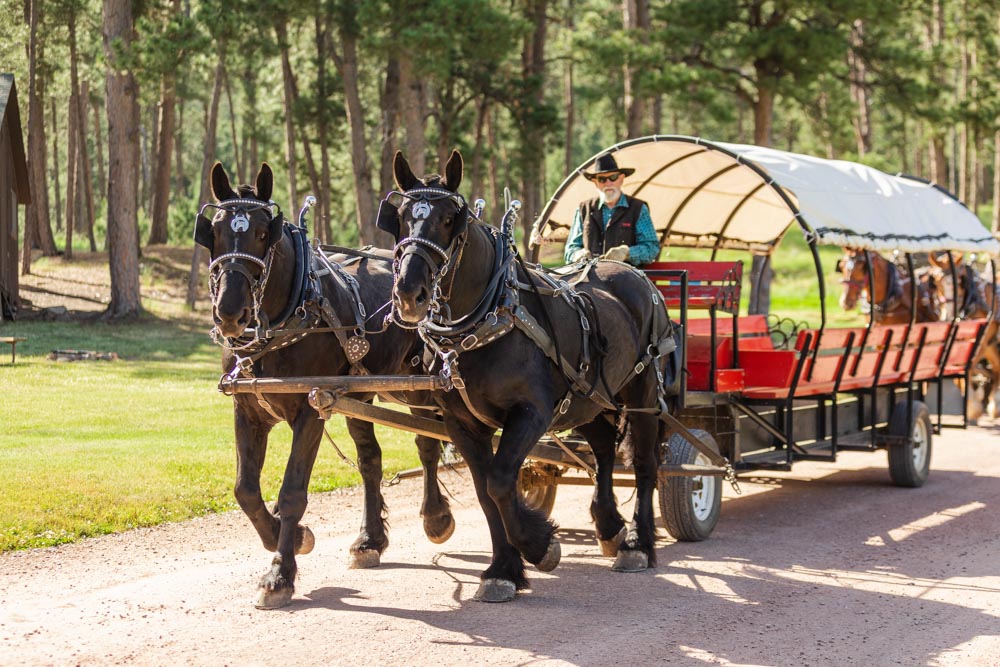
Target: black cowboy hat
{"points": [[605, 164]]}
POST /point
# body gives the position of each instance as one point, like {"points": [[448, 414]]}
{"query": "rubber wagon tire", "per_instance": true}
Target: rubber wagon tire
{"points": [[910, 461], [690, 506], [538, 494]]}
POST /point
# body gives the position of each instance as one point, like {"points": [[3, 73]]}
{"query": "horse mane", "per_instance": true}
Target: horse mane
{"points": [[247, 192]]}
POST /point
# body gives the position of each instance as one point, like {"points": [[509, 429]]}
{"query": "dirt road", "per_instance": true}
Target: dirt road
{"points": [[827, 565]]}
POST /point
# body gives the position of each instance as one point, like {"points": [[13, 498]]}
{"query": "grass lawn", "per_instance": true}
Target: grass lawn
{"points": [[94, 447], [88, 448]]}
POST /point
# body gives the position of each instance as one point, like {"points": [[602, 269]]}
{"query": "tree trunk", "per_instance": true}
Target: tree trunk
{"points": [[71, 170], [147, 136], [164, 153], [204, 189], [569, 101], [636, 22], [102, 174], [281, 29], [232, 130], [859, 91], [347, 65], [475, 170], [86, 177], [38, 213], [761, 272], [939, 163], [321, 217], [123, 163], [532, 147], [180, 185], [55, 167], [390, 121], [763, 114], [414, 110]]}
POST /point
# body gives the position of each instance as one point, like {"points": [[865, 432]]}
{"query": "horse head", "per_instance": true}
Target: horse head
{"points": [[436, 220], [241, 237], [853, 268]]}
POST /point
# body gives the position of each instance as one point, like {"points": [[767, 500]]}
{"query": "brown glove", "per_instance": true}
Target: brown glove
{"points": [[580, 255], [618, 253]]}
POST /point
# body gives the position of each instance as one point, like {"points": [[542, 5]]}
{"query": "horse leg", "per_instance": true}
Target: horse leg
{"points": [[530, 531], [439, 524], [278, 583], [251, 447], [608, 522], [638, 551], [372, 540], [505, 574]]}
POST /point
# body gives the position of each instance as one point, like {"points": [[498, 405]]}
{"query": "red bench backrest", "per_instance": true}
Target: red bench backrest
{"points": [[710, 284]]}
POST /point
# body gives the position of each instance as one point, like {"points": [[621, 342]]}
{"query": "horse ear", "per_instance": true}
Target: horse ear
{"points": [[265, 182], [453, 171], [932, 258], [221, 187], [840, 266], [405, 180], [203, 234]]}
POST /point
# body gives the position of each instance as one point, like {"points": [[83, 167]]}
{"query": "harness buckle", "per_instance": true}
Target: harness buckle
{"points": [[639, 368], [564, 405], [469, 342]]}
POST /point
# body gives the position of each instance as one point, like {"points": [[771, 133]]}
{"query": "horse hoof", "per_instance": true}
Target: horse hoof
{"points": [[306, 541], [631, 561], [552, 556], [611, 547], [362, 560], [495, 590], [273, 599], [439, 534]]}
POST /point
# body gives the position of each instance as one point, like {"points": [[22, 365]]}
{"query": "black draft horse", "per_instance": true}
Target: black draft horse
{"points": [[255, 259], [522, 364]]}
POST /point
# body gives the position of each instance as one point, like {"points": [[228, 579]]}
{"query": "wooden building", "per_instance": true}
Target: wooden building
{"points": [[13, 191]]}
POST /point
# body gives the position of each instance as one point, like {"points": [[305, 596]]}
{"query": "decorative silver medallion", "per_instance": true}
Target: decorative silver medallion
{"points": [[356, 348], [240, 222], [421, 209]]}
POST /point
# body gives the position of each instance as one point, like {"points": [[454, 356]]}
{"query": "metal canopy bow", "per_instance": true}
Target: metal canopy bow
{"points": [[718, 195]]}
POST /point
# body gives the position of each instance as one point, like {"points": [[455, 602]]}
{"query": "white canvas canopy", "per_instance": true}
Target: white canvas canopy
{"points": [[719, 195]]}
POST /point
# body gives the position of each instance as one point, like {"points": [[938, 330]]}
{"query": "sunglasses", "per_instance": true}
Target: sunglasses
{"points": [[607, 179]]}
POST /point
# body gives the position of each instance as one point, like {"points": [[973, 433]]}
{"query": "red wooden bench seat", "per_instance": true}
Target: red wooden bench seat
{"points": [[963, 346], [820, 357], [753, 330]]}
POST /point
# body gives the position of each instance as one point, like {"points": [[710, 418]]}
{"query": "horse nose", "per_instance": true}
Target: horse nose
{"points": [[411, 302], [232, 325]]}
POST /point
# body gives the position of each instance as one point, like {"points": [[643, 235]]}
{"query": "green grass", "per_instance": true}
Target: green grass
{"points": [[88, 448]]}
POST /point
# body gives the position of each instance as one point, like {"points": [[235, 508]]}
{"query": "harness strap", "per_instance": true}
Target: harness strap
{"points": [[527, 324]]}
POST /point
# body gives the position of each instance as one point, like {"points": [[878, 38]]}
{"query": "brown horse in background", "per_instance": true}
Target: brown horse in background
{"points": [[892, 298], [974, 296]]}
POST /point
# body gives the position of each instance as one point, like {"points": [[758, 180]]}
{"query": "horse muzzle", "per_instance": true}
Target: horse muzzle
{"points": [[231, 325], [411, 304]]}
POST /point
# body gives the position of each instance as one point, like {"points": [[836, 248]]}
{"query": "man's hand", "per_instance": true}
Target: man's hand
{"points": [[580, 255], [618, 253]]}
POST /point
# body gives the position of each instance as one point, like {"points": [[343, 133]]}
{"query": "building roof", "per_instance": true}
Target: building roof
{"points": [[11, 116]]}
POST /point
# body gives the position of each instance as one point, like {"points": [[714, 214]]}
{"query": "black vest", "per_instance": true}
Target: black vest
{"points": [[621, 226]]}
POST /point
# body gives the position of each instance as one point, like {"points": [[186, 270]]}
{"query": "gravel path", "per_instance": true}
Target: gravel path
{"points": [[826, 565]]}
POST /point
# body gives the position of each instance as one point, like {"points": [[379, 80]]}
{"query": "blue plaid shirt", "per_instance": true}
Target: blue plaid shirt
{"points": [[647, 244]]}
